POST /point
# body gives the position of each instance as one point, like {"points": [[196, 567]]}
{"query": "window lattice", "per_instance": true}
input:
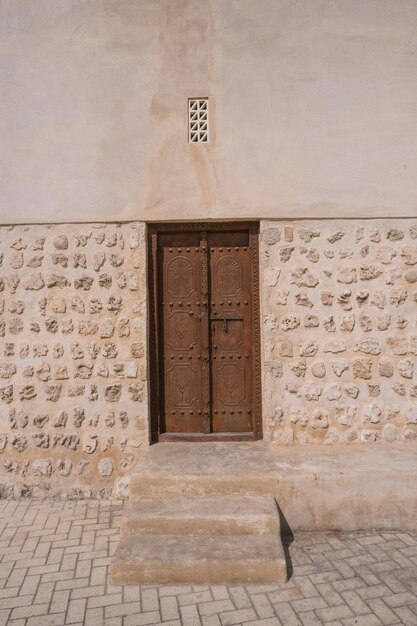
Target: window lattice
{"points": [[198, 120]]}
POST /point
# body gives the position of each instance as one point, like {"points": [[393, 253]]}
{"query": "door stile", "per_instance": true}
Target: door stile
{"points": [[256, 329], [154, 333], [205, 356]]}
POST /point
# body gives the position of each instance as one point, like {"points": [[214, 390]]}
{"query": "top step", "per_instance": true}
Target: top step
{"points": [[205, 469]]}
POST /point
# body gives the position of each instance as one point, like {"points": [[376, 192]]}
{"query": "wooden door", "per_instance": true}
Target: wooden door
{"points": [[205, 331], [183, 285]]}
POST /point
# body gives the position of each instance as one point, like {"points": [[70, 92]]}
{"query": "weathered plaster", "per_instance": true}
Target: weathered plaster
{"points": [[312, 109], [73, 390]]}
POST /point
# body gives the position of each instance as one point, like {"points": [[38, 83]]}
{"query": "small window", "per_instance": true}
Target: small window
{"points": [[198, 120]]}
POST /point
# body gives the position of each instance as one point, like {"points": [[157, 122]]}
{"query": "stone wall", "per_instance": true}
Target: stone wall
{"points": [[339, 305], [339, 301], [73, 391]]}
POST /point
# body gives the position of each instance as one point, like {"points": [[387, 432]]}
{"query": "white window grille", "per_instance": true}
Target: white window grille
{"points": [[198, 122]]}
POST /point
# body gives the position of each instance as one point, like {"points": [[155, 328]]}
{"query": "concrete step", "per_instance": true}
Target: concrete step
{"points": [[178, 470], [164, 559], [195, 486], [201, 514], [218, 515], [323, 488]]}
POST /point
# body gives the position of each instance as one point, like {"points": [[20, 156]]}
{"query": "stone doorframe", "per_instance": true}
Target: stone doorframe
{"points": [[153, 347]]}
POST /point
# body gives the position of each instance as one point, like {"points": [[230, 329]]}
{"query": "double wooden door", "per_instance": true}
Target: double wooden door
{"points": [[205, 332]]}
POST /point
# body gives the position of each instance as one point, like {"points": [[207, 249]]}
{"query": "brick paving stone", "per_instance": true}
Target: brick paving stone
{"points": [[334, 612], [87, 592], [174, 590], [286, 614], [169, 608], [194, 597], [210, 620], [284, 595], [17, 577], [305, 586], [240, 598], [31, 562], [309, 618], [131, 593], [309, 604], [44, 593], [29, 611], [113, 621], [406, 615], [71, 583], [326, 590], [54, 559], [149, 600], [105, 600], [262, 605], [151, 617], [189, 615], [120, 610], [59, 601], [219, 592], [76, 611], [353, 600], [11, 592], [68, 561], [392, 581], [4, 617], [11, 603], [57, 576], [94, 617], [55, 555], [237, 617], [45, 569], [216, 606], [400, 599]]}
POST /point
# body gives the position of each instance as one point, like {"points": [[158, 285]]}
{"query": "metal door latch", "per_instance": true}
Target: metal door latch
{"points": [[225, 319]]}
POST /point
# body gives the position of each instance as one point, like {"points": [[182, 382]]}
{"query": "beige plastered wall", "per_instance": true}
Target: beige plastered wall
{"points": [[312, 109]]}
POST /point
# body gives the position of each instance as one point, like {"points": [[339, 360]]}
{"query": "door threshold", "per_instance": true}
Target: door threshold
{"points": [[206, 437]]}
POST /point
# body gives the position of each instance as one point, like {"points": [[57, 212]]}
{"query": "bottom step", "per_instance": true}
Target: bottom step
{"points": [[212, 559]]}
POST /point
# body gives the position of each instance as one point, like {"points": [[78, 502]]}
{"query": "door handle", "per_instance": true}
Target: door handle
{"points": [[225, 319]]}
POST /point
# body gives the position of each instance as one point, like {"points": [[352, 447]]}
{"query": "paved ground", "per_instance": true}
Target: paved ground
{"points": [[55, 555]]}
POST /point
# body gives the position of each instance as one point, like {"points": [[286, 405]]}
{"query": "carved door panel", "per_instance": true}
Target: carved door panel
{"points": [[185, 342], [205, 376], [231, 332]]}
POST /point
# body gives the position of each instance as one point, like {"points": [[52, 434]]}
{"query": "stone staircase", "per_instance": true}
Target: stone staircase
{"points": [[185, 525]]}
